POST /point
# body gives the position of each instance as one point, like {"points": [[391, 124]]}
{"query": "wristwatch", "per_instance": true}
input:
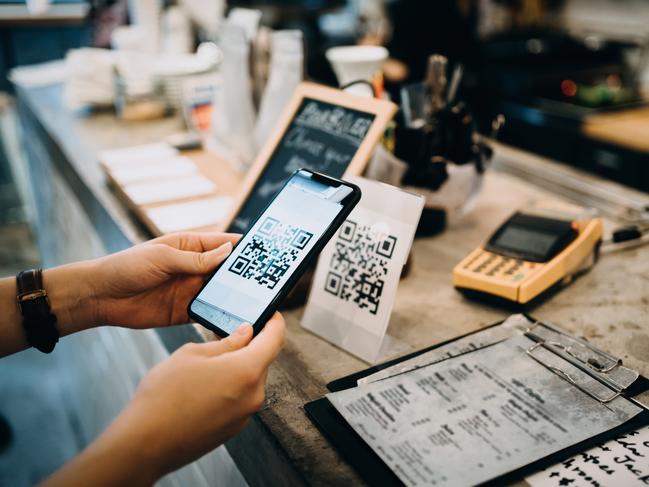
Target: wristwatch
{"points": [[38, 321]]}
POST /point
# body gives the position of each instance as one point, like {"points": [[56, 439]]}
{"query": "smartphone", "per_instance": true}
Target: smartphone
{"points": [[269, 259]]}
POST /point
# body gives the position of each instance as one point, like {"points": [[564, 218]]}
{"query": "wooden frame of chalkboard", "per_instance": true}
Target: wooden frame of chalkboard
{"points": [[374, 114]]}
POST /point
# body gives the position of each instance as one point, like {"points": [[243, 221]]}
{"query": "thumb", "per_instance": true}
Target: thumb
{"points": [[239, 339], [186, 262]]}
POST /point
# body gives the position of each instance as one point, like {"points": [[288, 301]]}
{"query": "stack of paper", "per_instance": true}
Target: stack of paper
{"points": [[192, 214], [154, 169], [157, 191], [119, 158], [157, 175]]}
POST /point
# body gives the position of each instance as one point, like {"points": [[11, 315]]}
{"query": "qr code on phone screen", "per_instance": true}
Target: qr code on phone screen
{"points": [[359, 265], [270, 253]]}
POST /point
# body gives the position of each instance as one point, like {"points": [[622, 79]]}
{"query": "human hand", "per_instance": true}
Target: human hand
{"points": [[186, 406], [204, 394], [147, 285], [151, 284]]}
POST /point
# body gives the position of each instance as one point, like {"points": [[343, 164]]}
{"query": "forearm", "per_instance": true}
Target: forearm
{"points": [[69, 289], [120, 456]]}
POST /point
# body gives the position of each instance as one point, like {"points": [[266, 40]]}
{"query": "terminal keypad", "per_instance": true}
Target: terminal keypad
{"points": [[500, 266]]}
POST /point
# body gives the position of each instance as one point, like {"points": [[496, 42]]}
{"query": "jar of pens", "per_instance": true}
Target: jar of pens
{"points": [[435, 149]]}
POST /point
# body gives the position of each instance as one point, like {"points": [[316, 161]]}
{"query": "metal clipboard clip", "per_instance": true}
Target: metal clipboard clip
{"points": [[565, 375], [597, 364]]}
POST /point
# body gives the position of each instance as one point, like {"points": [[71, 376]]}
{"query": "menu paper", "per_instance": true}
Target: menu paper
{"points": [[358, 272], [477, 416], [469, 343], [622, 461]]}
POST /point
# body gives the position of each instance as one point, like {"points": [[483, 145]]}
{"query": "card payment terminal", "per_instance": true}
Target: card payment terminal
{"points": [[528, 255]]}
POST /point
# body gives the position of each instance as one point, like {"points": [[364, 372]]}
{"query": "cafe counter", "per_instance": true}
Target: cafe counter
{"points": [[78, 216]]}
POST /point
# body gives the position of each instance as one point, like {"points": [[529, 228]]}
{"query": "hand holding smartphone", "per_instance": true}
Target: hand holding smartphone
{"points": [[270, 258]]}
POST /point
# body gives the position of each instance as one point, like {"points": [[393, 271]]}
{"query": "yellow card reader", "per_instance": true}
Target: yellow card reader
{"points": [[527, 256]]}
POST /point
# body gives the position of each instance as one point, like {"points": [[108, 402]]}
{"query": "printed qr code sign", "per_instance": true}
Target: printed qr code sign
{"points": [[333, 283], [359, 265], [386, 246], [347, 231], [270, 253]]}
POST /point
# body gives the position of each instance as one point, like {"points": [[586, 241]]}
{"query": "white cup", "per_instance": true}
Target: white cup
{"points": [[353, 63]]}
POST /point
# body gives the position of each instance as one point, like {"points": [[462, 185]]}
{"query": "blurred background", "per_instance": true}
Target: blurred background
{"points": [[549, 66]]}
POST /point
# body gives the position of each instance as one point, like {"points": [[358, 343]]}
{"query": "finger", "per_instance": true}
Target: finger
{"points": [[239, 339], [197, 241], [186, 262], [212, 240], [265, 347]]}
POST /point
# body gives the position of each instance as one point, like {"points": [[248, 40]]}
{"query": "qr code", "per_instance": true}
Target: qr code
{"points": [[359, 265], [270, 253]]}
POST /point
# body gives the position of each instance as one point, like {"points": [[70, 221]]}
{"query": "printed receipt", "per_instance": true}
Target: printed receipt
{"points": [[472, 418]]}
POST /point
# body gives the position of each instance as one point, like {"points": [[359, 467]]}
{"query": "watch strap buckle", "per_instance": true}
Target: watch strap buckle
{"points": [[32, 295]]}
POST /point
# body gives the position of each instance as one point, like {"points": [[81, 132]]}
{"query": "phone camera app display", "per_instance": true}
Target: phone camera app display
{"points": [[270, 252]]}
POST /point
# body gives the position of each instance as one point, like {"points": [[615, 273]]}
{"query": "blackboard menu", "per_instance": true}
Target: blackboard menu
{"points": [[322, 137]]}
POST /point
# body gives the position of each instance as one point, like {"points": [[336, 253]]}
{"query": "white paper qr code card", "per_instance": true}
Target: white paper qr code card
{"points": [[358, 272]]}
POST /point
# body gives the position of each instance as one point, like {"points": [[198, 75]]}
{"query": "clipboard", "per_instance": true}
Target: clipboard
{"points": [[375, 472]]}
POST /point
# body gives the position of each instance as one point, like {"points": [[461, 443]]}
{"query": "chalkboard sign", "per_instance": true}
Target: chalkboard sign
{"points": [[323, 129]]}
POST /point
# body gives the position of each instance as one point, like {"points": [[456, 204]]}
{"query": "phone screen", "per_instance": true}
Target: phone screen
{"points": [[266, 257]]}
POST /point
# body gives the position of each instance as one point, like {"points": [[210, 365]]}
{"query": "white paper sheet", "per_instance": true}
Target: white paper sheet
{"points": [[130, 155], [193, 214], [456, 347], [623, 461], [161, 169], [358, 272], [475, 417], [169, 189]]}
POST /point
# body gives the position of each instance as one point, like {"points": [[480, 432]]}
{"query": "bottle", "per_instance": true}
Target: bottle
{"points": [[177, 35], [234, 114], [286, 72]]}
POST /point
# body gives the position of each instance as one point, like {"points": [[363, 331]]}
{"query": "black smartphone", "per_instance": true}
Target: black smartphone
{"points": [[270, 258]]}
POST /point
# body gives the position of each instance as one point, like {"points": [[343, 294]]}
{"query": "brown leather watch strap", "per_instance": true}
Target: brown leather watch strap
{"points": [[38, 320], [29, 282]]}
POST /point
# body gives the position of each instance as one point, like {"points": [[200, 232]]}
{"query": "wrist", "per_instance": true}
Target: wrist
{"points": [[71, 296]]}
